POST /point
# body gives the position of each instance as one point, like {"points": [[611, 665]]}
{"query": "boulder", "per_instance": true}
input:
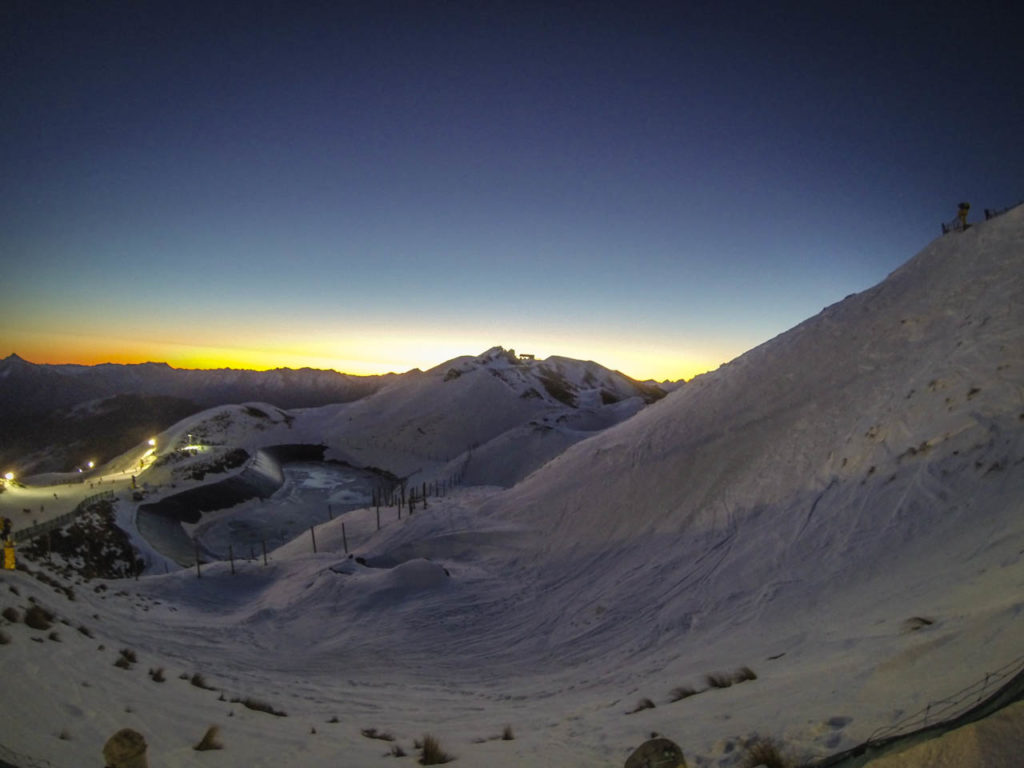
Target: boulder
{"points": [[657, 753], [125, 749]]}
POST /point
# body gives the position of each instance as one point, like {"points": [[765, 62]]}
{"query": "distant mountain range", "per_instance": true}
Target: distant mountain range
{"points": [[54, 416], [33, 387]]}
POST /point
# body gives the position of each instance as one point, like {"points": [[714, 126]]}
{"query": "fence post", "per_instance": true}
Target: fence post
{"points": [[344, 538], [378, 518], [264, 543], [231, 557], [330, 512], [313, 534], [199, 574]]}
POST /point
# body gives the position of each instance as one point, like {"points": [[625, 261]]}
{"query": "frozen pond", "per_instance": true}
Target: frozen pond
{"points": [[312, 493]]}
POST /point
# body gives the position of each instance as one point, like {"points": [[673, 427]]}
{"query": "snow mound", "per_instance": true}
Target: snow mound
{"points": [[407, 578]]}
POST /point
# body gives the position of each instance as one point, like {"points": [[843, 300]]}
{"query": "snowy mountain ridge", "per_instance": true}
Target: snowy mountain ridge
{"points": [[492, 417]]}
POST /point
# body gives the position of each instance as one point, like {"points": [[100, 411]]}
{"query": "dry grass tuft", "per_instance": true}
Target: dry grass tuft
{"points": [[200, 682], [209, 740], [431, 752], [641, 705], [718, 680], [743, 674], [682, 692], [763, 752], [259, 706], [373, 733]]}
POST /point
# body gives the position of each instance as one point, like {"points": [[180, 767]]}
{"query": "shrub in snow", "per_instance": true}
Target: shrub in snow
{"points": [[38, 617]]}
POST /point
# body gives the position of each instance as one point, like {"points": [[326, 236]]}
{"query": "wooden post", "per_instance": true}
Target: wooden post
{"points": [[313, 534], [330, 512], [344, 538], [378, 518], [264, 542], [231, 557], [199, 574]]}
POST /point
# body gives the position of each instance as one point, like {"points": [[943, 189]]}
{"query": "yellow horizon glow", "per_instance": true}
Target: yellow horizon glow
{"points": [[369, 355]]}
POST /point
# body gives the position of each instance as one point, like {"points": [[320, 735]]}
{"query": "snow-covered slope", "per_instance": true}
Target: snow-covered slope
{"points": [[840, 510], [841, 479], [879, 391], [450, 418]]}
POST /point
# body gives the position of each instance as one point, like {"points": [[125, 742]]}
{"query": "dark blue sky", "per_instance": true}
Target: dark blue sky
{"points": [[381, 185]]}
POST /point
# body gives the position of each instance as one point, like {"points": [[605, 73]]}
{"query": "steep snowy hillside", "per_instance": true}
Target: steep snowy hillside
{"points": [[920, 376], [887, 429]]}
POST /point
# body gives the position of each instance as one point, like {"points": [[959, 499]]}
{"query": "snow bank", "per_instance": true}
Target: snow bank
{"points": [[994, 742]]}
